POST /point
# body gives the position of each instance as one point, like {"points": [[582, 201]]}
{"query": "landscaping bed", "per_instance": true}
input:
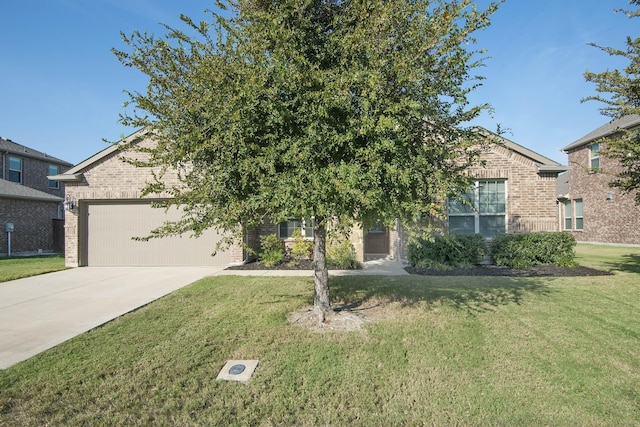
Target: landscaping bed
{"points": [[488, 270], [293, 264]]}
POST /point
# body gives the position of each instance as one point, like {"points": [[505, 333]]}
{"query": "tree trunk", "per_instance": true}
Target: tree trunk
{"points": [[321, 300]]}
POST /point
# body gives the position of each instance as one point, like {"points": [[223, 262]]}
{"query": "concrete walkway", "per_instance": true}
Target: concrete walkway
{"points": [[40, 312], [380, 267]]}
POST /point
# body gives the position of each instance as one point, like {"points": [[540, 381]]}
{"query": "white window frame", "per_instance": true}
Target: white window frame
{"points": [[573, 215], [475, 209], [567, 215], [594, 156], [578, 220]]}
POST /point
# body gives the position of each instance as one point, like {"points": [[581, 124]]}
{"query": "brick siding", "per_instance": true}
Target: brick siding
{"points": [[531, 196], [112, 178], [34, 174], [605, 221], [33, 225], [32, 219], [531, 199]]}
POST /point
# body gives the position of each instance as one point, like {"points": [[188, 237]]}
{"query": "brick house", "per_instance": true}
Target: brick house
{"points": [[515, 192], [29, 200], [589, 208], [108, 212]]}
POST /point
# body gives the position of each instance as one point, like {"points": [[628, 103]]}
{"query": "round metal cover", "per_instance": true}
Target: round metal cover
{"points": [[237, 369]]}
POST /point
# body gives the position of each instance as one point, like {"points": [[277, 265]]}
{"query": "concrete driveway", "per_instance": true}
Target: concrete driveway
{"points": [[40, 312]]}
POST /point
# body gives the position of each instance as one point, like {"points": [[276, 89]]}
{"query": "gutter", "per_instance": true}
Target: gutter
{"points": [[552, 168], [74, 177]]}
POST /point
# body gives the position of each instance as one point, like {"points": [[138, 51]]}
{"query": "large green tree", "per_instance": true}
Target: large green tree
{"points": [[619, 90], [344, 111]]}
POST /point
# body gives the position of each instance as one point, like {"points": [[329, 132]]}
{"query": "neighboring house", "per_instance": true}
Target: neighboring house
{"points": [[29, 200], [590, 209], [515, 192]]}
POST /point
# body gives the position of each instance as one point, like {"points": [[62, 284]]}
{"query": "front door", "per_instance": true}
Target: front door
{"points": [[376, 243]]}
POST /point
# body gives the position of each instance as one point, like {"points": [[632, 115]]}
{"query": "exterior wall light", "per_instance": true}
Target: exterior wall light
{"points": [[69, 204]]}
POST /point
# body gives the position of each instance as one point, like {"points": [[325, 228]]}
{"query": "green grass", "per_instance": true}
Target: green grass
{"points": [[19, 267], [623, 259], [450, 351]]}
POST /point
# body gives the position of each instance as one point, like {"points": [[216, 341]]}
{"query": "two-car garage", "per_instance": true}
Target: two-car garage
{"points": [[107, 208], [110, 229]]}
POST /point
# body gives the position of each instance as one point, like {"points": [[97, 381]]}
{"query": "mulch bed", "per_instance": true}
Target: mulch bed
{"points": [[487, 270], [294, 264], [494, 270]]}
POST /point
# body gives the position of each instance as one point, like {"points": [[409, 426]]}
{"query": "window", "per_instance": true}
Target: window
{"points": [[594, 156], [578, 214], [573, 217], [15, 169], [482, 209], [54, 170], [286, 228], [568, 217]]}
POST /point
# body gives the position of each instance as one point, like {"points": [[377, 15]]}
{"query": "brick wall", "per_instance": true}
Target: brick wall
{"points": [[112, 178], [33, 222], [605, 221], [34, 174], [531, 197]]}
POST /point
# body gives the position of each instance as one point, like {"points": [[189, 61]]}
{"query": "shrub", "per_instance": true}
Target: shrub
{"points": [[529, 249], [342, 254], [271, 250], [301, 247], [443, 252]]}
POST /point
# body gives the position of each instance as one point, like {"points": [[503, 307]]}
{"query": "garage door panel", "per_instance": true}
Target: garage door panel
{"points": [[112, 227]]}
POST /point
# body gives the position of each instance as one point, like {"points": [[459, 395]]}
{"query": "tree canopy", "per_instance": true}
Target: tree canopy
{"points": [[619, 90], [345, 111]]}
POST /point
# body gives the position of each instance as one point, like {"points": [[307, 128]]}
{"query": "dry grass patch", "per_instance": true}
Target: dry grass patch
{"points": [[347, 317]]}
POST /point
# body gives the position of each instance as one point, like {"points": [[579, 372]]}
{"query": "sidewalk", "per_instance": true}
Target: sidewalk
{"points": [[379, 267]]}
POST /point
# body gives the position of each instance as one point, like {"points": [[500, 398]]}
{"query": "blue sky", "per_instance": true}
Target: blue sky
{"points": [[61, 88]]}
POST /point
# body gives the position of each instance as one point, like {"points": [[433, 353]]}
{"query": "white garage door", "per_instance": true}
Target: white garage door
{"points": [[110, 228]]}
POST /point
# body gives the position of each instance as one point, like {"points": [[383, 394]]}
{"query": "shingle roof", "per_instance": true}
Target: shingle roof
{"points": [[75, 173], [8, 146], [626, 122], [12, 190], [543, 163]]}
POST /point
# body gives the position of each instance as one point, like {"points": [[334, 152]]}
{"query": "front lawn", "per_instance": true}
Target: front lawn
{"points": [[19, 267], [447, 351]]}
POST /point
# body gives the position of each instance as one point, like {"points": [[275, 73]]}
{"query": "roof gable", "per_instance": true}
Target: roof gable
{"points": [[544, 164], [626, 122], [75, 173]]}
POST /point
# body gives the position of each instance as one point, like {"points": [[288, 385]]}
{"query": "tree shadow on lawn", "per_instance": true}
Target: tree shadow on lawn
{"points": [[628, 264], [471, 294]]}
